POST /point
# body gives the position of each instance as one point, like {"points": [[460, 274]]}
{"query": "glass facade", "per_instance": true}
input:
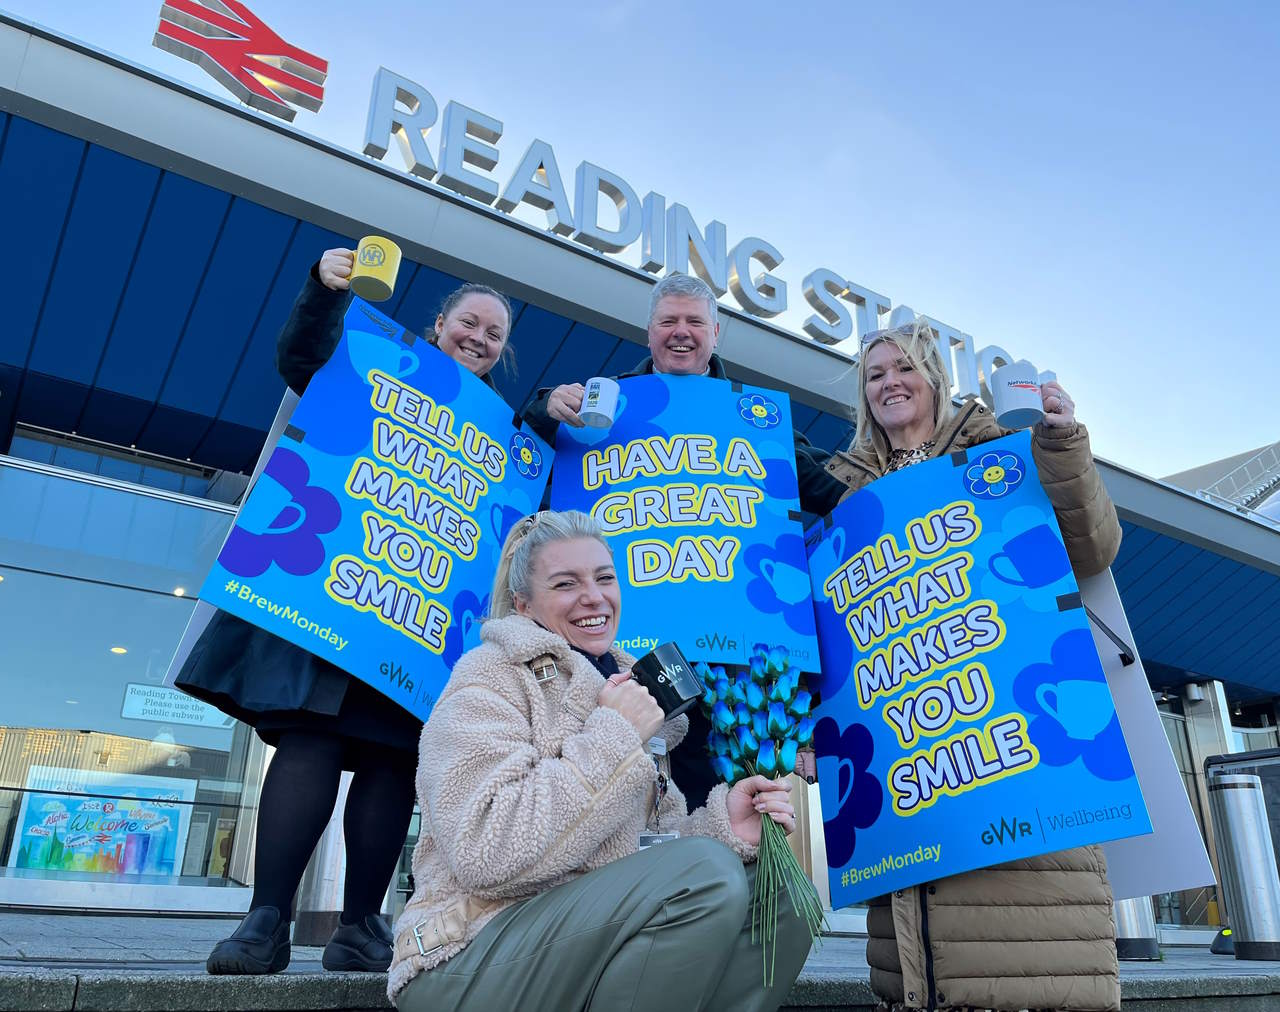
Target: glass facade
{"points": [[104, 771]]}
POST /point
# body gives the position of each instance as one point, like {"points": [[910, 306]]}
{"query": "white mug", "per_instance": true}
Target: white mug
{"points": [[599, 402], [1015, 394]]}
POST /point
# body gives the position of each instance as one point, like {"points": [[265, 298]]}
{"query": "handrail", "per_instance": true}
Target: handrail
{"points": [[115, 484], [1247, 482]]}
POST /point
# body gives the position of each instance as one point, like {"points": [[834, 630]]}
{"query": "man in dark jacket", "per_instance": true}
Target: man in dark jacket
{"points": [[683, 330]]}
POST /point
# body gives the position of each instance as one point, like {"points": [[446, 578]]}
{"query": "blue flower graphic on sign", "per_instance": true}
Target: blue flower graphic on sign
{"points": [[759, 411], [525, 455], [855, 795], [281, 521], [994, 475], [1069, 709]]}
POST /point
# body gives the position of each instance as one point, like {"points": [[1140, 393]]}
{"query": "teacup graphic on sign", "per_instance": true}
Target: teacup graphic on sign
{"points": [[369, 351], [840, 771], [1034, 558], [502, 519], [790, 584], [270, 509], [1083, 707]]}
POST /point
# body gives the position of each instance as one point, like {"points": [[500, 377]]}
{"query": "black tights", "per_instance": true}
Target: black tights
{"points": [[298, 795]]}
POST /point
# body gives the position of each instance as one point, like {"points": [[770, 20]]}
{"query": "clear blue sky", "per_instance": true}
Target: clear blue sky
{"points": [[1092, 186]]}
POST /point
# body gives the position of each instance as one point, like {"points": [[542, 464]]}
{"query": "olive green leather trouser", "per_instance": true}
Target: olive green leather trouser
{"points": [[664, 930]]}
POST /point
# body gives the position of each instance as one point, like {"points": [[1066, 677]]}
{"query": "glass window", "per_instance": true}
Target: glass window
{"points": [[104, 771]]}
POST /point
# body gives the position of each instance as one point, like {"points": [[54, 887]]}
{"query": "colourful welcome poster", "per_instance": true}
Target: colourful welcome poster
{"points": [[372, 535], [695, 484], [104, 823], [964, 719]]}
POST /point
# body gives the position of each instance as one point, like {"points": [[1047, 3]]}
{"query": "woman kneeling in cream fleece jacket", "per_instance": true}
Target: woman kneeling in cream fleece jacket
{"points": [[535, 781]]}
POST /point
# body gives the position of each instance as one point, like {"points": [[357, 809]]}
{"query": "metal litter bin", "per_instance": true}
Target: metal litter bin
{"points": [[1247, 864]]}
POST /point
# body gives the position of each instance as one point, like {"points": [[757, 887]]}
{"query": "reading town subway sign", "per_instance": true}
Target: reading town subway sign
{"points": [[669, 238]]}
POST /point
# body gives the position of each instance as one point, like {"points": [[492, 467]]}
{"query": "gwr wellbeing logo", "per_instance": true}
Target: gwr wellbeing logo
{"points": [[235, 47]]}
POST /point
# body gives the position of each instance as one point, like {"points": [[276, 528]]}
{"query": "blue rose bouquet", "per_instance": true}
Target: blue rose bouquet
{"points": [[759, 720]]}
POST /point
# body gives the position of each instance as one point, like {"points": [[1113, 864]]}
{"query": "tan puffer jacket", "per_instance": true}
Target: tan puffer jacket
{"points": [[1038, 933], [525, 783]]}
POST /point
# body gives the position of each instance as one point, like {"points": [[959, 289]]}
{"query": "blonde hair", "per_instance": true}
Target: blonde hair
{"points": [[525, 540], [919, 346]]}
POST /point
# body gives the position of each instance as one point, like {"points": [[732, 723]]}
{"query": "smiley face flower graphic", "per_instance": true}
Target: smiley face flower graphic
{"points": [[524, 454], [994, 475], [759, 411]]}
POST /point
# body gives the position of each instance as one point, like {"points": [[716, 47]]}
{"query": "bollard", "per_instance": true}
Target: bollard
{"points": [[1247, 864], [1136, 936]]}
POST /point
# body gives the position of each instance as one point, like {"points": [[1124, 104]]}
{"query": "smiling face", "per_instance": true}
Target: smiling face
{"points": [[900, 398], [681, 335], [573, 591], [475, 332]]}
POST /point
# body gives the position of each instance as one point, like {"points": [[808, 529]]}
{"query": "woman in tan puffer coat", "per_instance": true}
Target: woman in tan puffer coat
{"points": [[1037, 933]]}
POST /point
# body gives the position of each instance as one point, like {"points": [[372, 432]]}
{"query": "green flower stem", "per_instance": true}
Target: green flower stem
{"points": [[777, 870]]}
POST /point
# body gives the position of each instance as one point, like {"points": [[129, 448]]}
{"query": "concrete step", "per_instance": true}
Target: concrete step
{"points": [[120, 989]]}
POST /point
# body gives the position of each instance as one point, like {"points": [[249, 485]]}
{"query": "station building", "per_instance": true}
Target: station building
{"points": [[157, 236]]}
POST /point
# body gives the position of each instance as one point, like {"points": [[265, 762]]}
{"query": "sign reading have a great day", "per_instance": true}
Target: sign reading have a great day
{"points": [[965, 719], [695, 484], [373, 533]]}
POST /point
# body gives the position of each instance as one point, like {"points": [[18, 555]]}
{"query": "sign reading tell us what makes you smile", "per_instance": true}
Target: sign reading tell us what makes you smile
{"points": [[695, 486], [965, 719], [372, 536]]}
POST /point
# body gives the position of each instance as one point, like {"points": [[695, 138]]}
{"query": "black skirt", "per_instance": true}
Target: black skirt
{"points": [[274, 686]]}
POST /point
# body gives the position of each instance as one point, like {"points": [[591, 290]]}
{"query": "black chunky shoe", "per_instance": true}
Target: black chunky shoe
{"points": [[259, 945], [365, 945]]}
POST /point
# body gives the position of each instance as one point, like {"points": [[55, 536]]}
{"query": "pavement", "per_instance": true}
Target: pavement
{"points": [[61, 962]]}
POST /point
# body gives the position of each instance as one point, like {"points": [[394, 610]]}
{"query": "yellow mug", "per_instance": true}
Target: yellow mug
{"points": [[373, 275]]}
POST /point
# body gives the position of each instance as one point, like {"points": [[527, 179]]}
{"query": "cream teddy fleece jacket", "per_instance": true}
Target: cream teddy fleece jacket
{"points": [[524, 785]]}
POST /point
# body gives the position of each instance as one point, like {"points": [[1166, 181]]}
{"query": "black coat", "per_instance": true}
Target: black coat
{"points": [[257, 677]]}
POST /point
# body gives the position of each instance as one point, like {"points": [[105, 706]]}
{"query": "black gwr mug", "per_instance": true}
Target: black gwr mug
{"points": [[670, 679]]}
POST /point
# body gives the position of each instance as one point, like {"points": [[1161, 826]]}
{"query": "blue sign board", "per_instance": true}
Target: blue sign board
{"points": [[695, 483], [964, 718], [373, 534]]}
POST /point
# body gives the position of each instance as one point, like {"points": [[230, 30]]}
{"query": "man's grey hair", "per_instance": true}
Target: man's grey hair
{"points": [[683, 284]]}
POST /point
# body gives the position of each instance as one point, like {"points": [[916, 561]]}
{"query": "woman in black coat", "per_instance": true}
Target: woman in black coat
{"points": [[320, 720]]}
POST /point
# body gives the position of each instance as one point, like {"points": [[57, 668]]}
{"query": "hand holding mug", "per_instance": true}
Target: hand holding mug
{"points": [[632, 702], [751, 799], [335, 268], [565, 402], [1059, 409]]}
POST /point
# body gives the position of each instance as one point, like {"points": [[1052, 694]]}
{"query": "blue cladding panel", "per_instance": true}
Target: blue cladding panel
{"points": [[243, 267], [37, 175], [625, 358], [1209, 621], [256, 387], [51, 401], [171, 261], [580, 357], [97, 251], [829, 432], [536, 338], [1251, 654], [173, 432], [802, 416], [114, 418], [1155, 592], [231, 446]]}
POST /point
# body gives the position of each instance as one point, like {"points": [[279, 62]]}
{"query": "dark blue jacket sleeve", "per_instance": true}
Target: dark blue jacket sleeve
{"points": [[311, 333]]}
